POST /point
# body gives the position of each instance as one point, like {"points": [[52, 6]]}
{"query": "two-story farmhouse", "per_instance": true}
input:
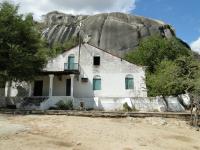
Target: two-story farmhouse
{"points": [[88, 73], [96, 73]]}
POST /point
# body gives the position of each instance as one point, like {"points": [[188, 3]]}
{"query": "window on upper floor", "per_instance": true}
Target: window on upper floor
{"points": [[96, 60], [97, 83], [129, 82]]}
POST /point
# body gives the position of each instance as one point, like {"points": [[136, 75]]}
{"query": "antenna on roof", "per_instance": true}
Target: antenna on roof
{"points": [[79, 43]]}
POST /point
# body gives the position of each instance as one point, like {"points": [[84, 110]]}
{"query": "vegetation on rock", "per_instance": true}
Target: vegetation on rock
{"points": [[154, 49], [172, 68]]}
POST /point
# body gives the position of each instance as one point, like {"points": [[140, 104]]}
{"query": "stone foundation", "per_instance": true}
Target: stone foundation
{"points": [[143, 104]]}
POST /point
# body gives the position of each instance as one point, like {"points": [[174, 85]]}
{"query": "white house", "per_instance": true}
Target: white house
{"points": [[89, 73], [96, 73]]}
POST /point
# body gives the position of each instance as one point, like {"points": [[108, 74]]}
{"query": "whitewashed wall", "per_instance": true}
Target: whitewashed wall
{"points": [[154, 104], [112, 70]]}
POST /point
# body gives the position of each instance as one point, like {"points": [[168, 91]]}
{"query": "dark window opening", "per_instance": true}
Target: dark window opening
{"points": [[84, 79], [96, 60], [68, 87], [60, 17], [2, 84], [38, 88]]}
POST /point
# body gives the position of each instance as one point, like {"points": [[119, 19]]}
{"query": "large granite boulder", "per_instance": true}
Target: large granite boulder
{"points": [[115, 32]]}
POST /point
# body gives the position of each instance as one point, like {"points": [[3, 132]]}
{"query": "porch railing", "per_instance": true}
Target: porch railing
{"points": [[71, 66]]}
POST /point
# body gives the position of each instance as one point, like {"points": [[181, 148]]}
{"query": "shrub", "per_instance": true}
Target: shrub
{"points": [[65, 105], [134, 109], [126, 107]]}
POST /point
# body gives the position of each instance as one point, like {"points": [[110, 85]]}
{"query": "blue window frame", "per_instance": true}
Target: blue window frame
{"points": [[97, 83], [129, 82]]}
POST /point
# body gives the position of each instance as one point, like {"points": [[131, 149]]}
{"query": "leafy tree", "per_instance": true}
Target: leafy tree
{"points": [[22, 52], [189, 68], [175, 77], [172, 67], [165, 80], [152, 50]]}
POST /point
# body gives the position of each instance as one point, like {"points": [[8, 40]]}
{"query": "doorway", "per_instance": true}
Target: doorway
{"points": [[68, 87], [71, 62], [38, 87]]}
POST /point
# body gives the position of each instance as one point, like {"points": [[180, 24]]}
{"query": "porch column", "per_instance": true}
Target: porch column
{"points": [[72, 84], [6, 89], [51, 76], [30, 89]]}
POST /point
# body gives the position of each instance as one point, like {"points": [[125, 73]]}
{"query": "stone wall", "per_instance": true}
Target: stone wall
{"points": [[154, 104]]}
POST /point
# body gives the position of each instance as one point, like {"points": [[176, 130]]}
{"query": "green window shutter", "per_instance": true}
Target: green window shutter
{"points": [[96, 84], [71, 62], [126, 83], [129, 83]]}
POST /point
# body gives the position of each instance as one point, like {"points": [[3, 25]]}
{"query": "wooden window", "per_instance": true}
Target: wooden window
{"points": [[97, 83], [129, 82]]}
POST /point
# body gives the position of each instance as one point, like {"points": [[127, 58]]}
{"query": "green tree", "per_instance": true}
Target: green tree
{"points": [[152, 50], [165, 80], [172, 68], [175, 77], [22, 52], [189, 68]]}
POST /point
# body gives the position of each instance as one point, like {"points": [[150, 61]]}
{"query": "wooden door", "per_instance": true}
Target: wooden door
{"points": [[68, 87], [38, 87]]}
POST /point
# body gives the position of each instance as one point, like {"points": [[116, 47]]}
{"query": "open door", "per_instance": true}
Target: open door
{"points": [[38, 87], [68, 87]]}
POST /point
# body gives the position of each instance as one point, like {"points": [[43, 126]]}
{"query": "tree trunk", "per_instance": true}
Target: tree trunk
{"points": [[9, 89], [165, 102]]}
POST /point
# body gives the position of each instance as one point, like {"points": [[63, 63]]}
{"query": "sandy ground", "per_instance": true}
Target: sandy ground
{"points": [[80, 133]]}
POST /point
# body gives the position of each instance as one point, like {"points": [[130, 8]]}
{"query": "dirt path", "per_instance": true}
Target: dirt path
{"points": [[79, 133]]}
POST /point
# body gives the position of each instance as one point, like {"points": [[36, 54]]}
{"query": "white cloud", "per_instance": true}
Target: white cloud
{"points": [[41, 7], [195, 46]]}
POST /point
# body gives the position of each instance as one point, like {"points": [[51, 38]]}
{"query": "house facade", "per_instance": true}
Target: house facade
{"points": [[96, 73], [87, 74]]}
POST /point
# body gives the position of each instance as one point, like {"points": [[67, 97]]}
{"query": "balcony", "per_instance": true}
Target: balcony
{"points": [[71, 67]]}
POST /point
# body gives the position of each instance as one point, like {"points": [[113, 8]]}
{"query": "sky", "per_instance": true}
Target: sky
{"points": [[183, 15]]}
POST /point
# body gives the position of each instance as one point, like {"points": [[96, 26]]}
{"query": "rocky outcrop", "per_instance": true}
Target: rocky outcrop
{"points": [[116, 32]]}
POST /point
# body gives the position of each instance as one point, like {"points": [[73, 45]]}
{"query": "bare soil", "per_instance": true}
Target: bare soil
{"points": [[34, 132]]}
